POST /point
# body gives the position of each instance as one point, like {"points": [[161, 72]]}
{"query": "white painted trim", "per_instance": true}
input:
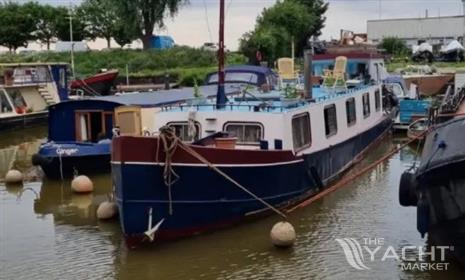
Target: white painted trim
{"points": [[204, 165]]}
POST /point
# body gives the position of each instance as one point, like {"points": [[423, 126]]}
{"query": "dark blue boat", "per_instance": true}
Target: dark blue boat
{"points": [[283, 151]]}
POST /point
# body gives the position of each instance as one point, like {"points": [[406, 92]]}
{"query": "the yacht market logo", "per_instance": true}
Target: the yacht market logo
{"points": [[360, 255]]}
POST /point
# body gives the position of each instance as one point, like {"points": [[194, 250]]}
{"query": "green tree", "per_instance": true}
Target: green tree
{"points": [[16, 26], [146, 15], [123, 34], [101, 18], [278, 26], [394, 46], [61, 24], [44, 18]]}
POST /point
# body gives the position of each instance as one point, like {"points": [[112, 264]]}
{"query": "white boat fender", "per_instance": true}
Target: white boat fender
{"points": [[14, 176], [82, 184], [107, 210], [282, 235]]}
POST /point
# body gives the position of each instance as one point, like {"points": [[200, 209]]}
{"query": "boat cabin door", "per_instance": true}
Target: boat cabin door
{"points": [[128, 120]]}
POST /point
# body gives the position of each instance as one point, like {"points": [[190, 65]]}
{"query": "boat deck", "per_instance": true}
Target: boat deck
{"points": [[271, 102]]}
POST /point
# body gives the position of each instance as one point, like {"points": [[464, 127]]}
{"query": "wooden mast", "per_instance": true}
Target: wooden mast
{"points": [[221, 96]]}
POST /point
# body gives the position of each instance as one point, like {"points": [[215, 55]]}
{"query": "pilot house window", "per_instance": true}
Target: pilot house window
{"points": [[301, 131], [330, 120], [186, 133], [246, 133]]}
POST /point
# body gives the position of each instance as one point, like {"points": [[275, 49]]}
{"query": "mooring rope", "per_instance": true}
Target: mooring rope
{"points": [[170, 143], [341, 183], [168, 134]]}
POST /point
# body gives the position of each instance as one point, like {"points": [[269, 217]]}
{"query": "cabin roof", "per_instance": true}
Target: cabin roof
{"points": [[164, 97], [248, 68], [271, 102]]}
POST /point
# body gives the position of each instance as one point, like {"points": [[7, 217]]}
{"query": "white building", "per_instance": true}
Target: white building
{"points": [[434, 30]]}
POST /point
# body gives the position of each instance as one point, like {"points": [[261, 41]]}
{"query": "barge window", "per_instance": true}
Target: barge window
{"points": [[351, 112], [301, 131], [246, 133], [366, 105], [182, 131], [330, 120], [377, 100], [5, 105]]}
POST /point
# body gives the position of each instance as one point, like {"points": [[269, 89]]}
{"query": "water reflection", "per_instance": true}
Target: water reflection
{"points": [[48, 232], [17, 147]]}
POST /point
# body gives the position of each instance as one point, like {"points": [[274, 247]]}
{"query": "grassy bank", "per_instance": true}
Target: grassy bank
{"points": [[182, 63]]}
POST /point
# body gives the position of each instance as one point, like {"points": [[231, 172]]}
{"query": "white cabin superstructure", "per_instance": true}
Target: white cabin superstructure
{"points": [[303, 128]]}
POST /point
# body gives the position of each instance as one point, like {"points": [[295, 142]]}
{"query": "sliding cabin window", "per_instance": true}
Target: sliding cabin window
{"points": [[5, 106], [366, 105], [181, 130], [330, 120], [377, 100], [351, 112], [246, 133], [93, 126], [301, 132]]}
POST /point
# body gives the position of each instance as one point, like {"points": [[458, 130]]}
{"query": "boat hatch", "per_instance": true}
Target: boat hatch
{"points": [[93, 126], [128, 120]]}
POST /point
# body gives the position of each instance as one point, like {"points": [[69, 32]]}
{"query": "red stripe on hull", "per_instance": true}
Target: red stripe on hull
{"points": [[144, 149]]}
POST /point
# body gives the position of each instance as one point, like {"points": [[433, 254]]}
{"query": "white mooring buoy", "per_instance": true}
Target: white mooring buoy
{"points": [[282, 234], [14, 176], [82, 184], [107, 210]]}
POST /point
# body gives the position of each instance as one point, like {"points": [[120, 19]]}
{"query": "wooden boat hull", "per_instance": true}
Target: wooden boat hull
{"points": [[201, 200], [429, 85]]}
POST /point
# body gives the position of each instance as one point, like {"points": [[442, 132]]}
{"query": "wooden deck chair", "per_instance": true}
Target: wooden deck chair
{"points": [[336, 78], [286, 69]]}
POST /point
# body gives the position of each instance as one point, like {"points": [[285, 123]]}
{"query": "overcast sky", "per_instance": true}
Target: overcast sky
{"points": [[192, 24]]}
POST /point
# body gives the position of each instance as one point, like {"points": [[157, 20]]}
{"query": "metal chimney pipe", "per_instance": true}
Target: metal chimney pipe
{"points": [[308, 87]]}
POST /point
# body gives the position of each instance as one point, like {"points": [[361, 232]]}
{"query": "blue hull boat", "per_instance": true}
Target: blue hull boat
{"points": [[201, 200], [65, 159]]}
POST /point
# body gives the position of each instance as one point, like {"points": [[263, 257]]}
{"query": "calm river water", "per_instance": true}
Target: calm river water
{"points": [[47, 232]]}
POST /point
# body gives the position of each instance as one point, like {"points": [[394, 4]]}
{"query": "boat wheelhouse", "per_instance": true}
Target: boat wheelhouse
{"points": [[246, 74], [28, 89], [362, 67], [281, 151]]}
